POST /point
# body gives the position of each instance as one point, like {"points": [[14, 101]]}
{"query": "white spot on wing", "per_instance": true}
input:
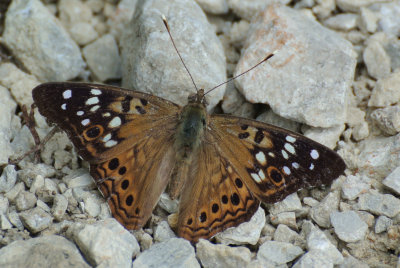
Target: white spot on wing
{"points": [[290, 148], [67, 94], [115, 122], [285, 155], [92, 100], [260, 156], [286, 170], [94, 108], [271, 154], [84, 122], [311, 166], [107, 137], [64, 106], [314, 154], [261, 175], [295, 165], [95, 92], [110, 143], [256, 177], [106, 114], [290, 139], [79, 113]]}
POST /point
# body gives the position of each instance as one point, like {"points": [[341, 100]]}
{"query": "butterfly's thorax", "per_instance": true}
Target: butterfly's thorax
{"points": [[190, 130]]}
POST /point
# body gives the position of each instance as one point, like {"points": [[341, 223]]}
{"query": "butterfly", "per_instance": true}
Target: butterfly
{"points": [[220, 166]]}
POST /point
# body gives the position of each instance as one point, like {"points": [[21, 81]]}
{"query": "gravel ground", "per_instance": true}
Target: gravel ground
{"points": [[334, 77]]}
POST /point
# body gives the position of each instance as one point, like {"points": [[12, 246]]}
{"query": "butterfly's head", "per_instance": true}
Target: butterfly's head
{"points": [[198, 97]]}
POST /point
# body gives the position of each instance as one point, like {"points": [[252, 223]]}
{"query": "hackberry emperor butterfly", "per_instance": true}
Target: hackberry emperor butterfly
{"points": [[220, 166]]}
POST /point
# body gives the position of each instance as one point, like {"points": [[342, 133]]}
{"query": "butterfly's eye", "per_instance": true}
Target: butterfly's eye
{"points": [[203, 121]]}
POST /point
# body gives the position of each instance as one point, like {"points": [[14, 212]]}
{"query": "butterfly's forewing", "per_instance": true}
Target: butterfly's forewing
{"points": [[103, 120], [214, 197], [274, 162], [125, 135]]}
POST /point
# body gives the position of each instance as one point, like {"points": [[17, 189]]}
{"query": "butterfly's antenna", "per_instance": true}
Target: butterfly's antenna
{"points": [[173, 43], [255, 66]]}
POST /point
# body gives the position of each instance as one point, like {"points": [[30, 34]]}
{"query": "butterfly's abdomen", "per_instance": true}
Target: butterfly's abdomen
{"points": [[190, 129]]}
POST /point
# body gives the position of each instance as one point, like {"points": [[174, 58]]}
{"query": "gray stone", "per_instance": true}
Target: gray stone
{"points": [[83, 33], [246, 233], [379, 204], [43, 39], [326, 136], [60, 205], [44, 252], [322, 9], [360, 131], [382, 224], [350, 261], [296, 86], [287, 218], [389, 14], [43, 205], [278, 252], [169, 205], [348, 226], [313, 259], [79, 178], [377, 60], [385, 91], [32, 170], [106, 243], [37, 184], [234, 103], [36, 219], [367, 20], [321, 212], [159, 255], [211, 255], [343, 22], [248, 9], [319, 244], [19, 83], [387, 119], [310, 201], [291, 203], [285, 234], [214, 6], [3, 204], [48, 191], [272, 118], [25, 200], [355, 5], [163, 232], [353, 186], [5, 224], [74, 11], [379, 155], [103, 58], [149, 62], [13, 193], [393, 180], [7, 111], [8, 179], [13, 217], [92, 205]]}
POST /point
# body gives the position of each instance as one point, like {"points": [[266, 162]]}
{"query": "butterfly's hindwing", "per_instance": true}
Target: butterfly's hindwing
{"points": [[214, 197], [274, 162]]}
